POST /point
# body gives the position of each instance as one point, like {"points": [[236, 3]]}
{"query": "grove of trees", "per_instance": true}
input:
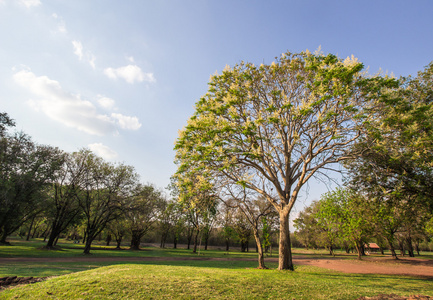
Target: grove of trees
{"points": [[256, 138]]}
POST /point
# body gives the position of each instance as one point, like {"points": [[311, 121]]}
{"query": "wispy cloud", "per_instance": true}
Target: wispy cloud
{"points": [[61, 25], [79, 51], [30, 3], [70, 109], [130, 73], [103, 151]]}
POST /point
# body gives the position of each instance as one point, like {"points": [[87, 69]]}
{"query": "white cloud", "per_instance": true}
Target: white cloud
{"points": [[106, 102], [126, 122], [30, 3], [103, 151], [61, 26], [67, 108], [78, 49], [92, 61], [130, 73]]}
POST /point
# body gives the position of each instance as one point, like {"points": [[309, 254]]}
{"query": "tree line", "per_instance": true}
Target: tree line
{"points": [[46, 192]]}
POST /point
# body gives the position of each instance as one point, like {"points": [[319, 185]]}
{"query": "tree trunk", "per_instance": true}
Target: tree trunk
{"points": [[51, 240], [259, 248], [401, 246], [135, 242], [392, 249], [108, 240], [285, 254], [227, 245], [359, 250], [118, 242], [417, 247], [175, 242], [30, 228], [410, 246], [206, 241], [56, 240], [195, 242], [88, 245], [189, 238], [3, 238]]}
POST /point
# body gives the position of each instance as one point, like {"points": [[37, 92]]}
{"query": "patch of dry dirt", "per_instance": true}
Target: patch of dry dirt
{"points": [[373, 265]]}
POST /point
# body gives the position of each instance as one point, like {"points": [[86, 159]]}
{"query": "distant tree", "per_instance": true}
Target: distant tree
{"points": [[349, 214], [5, 121], [102, 194], [281, 123], [142, 211], [253, 208], [26, 169], [198, 198], [306, 226], [63, 206]]}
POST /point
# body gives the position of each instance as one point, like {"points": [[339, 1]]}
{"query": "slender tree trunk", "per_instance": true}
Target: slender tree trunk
{"points": [[227, 245], [85, 237], [30, 228], [285, 254], [417, 247], [175, 242], [206, 242], [108, 239], [259, 248], [401, 246], [189, 238], [195, 242], [410, 246], [392, 249], [359, 249]]}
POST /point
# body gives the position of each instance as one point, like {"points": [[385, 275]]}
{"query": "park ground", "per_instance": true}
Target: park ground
{"points": [[154, 273]]}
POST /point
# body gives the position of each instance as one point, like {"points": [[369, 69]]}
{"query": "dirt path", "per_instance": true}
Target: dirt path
{"points": [[373, 265], [369, 265]]}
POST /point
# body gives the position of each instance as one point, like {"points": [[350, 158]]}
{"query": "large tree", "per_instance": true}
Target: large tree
{"points": [[102, 193], [63, 206], [26, 169], [271, 128]]}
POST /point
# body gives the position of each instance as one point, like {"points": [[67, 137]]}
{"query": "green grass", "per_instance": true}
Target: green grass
{"points": [[197, 281], [188, 279]]}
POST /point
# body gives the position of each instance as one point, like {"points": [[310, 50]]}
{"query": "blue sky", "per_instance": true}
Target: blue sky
{"points": [[122, 77]]}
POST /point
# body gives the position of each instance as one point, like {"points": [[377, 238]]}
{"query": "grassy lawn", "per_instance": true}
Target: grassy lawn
{"points": [[208, 280], [188, 279]]}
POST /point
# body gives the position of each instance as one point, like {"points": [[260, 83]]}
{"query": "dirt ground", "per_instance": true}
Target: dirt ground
{"points": [[409, 266]]}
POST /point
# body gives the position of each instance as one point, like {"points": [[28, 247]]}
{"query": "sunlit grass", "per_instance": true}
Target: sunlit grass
{"points": [[194, 280]]}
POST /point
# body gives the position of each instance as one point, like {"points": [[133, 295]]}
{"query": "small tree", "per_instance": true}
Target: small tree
{"points": [[142, 211]]}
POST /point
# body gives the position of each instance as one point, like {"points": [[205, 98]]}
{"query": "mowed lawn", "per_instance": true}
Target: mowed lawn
{"points": [[189, 279]]}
